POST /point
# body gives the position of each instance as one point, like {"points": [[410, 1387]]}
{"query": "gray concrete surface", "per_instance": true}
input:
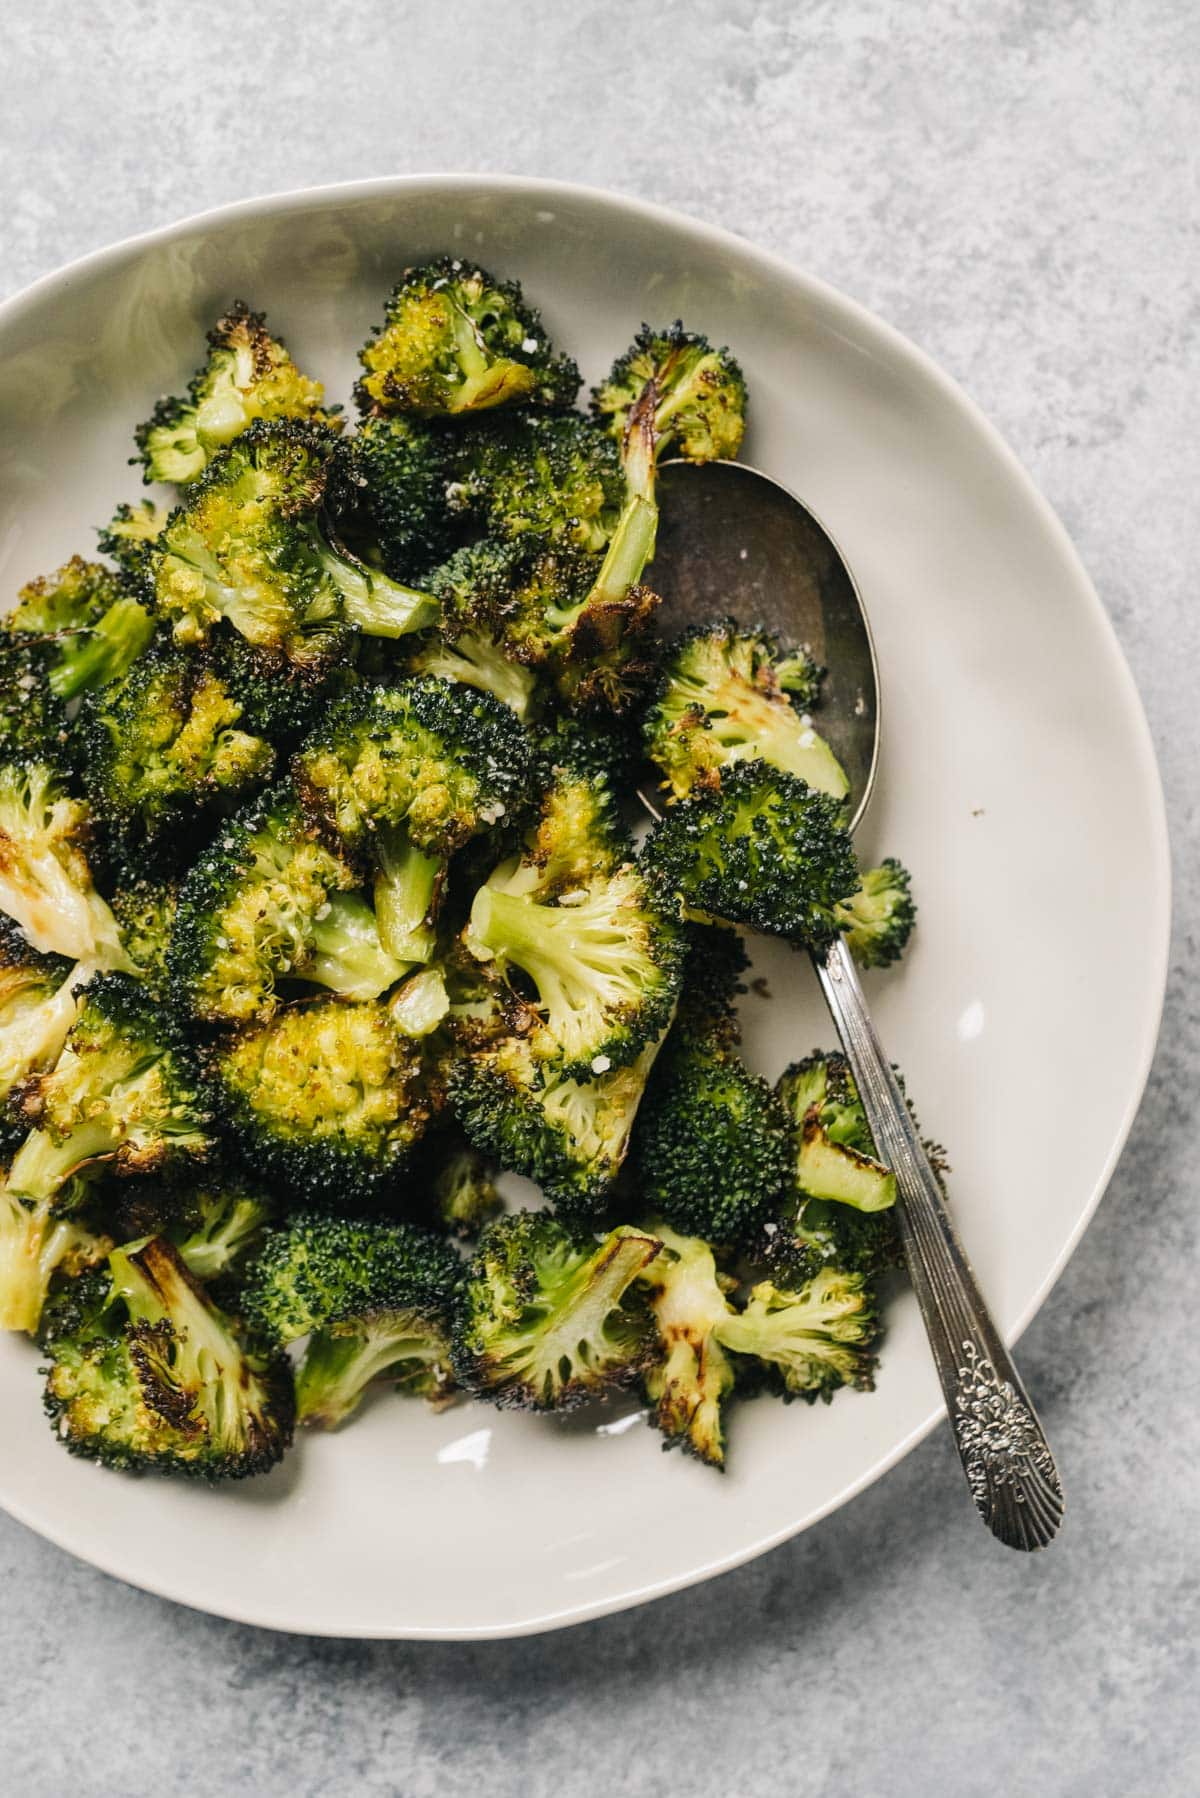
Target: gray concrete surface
{"points": [[1012, 182]]}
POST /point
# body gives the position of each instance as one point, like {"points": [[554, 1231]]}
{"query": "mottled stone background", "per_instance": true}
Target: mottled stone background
{"points": [[1014, 185]]}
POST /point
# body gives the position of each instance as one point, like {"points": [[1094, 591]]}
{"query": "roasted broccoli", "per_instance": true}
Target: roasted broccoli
{"points": [[374, 1298], [570, 1136], [38, 1005], [33, 719], [388, 493], [765, 850], [165, 747], [327, 1097], [721, 702], [813, 1340], [698, 399], [248, 375], [541, 1322], [461, 1185], [879, 917], [39, 1240], [155, 1378], [834, 1153], [45, 876], [476, 662], [690, 1377], [130, 532], [454, 340], [118, 1098], [144, 907], [91, 623], [551, 476]]}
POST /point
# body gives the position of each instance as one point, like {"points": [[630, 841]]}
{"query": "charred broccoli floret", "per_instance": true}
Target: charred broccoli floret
{"points": [[476, 662], [813, 1340], [33, 720], [248, 376], [462, 1186], [389, 493], [38, 1005], [157, 1379], [92, 626], [130, 532], [144, 907], [542, 1324], [699, 394], [374, 1298], [268, 902], [166, 746], [217, 1227], [764, 850], [690, 1377], [570, 1136], [834, 1152], [551, 476], [328, 1097], [454, 340], [878, 919], [118, 1097], [721, 702], [45, 878], [41, 1239], [413, 772]]}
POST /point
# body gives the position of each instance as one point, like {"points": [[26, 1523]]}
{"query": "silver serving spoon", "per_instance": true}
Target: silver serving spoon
{"points": [[734, 543]]}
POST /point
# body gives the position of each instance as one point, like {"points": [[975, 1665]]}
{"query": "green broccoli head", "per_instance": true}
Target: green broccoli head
{"points": [[603, 961], [375, 1299], [159, 1381], [570, 1136], [90, 622], [248, 376], [328, 1097], [144, 907], [721, 702], [699, 394], [711, 1145], [389, 492], [813, 1340], [454, 339], [764, 850], [878, 919], [834, 1156], [45, 875], [166, 746], [542, 1323], [129, 534], [33, 720], [268, 902], [245, 547], [119, 1098], [551, 476]]}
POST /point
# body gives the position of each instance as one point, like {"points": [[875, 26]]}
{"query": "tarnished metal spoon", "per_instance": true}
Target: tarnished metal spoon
{"points": [[732, 542]]}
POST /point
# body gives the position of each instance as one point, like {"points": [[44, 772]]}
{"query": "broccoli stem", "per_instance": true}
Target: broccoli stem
{"points": [[406, 891], [341, 1362], [372, 601], [349, 957], [33, 1243], [43, 1164], [633, 541]]}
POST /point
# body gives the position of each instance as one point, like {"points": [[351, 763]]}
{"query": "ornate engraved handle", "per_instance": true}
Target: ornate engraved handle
{"points": [[1005, 1456]]}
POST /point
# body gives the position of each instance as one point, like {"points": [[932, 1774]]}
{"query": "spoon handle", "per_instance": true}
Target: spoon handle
{"points": [[1005, 1456]]}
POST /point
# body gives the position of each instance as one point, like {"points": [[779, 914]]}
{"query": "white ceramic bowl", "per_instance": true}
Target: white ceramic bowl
{"points": [[1018, 782]]}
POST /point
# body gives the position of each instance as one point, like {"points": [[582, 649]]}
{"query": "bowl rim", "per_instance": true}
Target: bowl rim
{"points": [[907, 352]]}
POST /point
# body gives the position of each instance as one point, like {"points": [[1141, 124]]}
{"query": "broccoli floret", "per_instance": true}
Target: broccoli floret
{"points": [[39, 1240], [389, 492], [764, 850], [816, 1233], [553, 477], [698, 400], [814, 1340], [218, 1227], [45, 878], [462, 1187], [604, 962], [159, 1381], [144, 908], [454, 340], [690, 1376], [570, 1136], [476, 662], [33, 720], [541, 1322], [878, 918], [268, 902], [374, 1298], [129, 534], [93, 625], [118, 1097], [413, 771], [38, 1005], [834, 1155], [329, 1098], [166, 746], [711, 1145], [721, 702], [248, 375]]}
